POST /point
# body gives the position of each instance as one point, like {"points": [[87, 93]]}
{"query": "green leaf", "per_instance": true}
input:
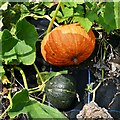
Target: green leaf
{"points": [[84, 22], [79, 10], [39, 110], [92, 16], [48, 4], [26, 31], [110, 18], [117, 14], [19, 99], [104, 25], [25, 53], [24, 11], [10, 17], [59, 14], [59, 17], [87, 21], [48, 75], [23, 104], [22, 46], [67, 12], [8, 41]]}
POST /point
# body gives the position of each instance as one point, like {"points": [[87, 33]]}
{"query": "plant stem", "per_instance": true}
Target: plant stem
{"points": [[9, 97], [103, 72], [39, 75], [23, 76], [94, 91], [53, 19], [44, 97], [35, 88], [40, 88]]}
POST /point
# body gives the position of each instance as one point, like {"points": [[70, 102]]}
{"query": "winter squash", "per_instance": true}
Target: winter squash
{"points": [[67, 45], [61, 91]]}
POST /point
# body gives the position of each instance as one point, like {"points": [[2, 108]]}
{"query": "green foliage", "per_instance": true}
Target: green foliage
{"points": [[22, 103], [18, 39], [88, 13], [110, 18], [21, 34], [21, 44]]}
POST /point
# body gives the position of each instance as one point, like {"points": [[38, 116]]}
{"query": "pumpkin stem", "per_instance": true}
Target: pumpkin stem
{"points": [[75, 60], [53, 19]]}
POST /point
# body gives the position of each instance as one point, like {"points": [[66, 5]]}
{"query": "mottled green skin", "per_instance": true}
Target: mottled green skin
{"points": [[61, 91]]}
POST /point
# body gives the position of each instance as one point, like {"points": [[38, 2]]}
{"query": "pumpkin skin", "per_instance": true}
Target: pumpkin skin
{"points": [[67, 45], [61, 91]]}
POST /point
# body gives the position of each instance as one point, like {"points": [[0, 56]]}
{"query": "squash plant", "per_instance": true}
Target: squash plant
{"points": [[19, 37]]}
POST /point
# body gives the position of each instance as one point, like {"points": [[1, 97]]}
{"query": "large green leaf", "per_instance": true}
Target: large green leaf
{"points": [[8, 41], [92, 16], [109, 15], [25, 53], [8, 46], [19, 100], [20, 46], [86, 21], [34, 109], [110, 18], [26, 31]]}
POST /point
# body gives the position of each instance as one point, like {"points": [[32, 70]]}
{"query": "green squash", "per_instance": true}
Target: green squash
{"points": [[61, 91]]}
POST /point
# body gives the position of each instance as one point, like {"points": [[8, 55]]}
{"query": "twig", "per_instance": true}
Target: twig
{"points": [[118, 93]]}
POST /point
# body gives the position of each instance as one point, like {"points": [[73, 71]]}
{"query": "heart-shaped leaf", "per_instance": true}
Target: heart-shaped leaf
{"points": [[20, 46], [34, 109]]}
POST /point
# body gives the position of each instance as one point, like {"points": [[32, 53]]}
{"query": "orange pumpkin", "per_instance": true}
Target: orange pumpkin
{"points": [[67, 45]]}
